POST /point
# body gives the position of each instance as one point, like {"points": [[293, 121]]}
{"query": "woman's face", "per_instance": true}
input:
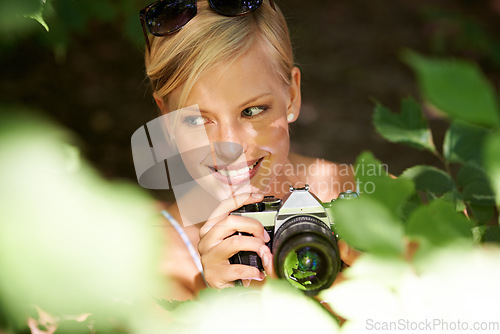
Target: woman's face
{"points": [[233, 137]]}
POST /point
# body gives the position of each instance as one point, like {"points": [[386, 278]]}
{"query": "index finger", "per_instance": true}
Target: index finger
{"points": [[227, 206], [347, 253]]}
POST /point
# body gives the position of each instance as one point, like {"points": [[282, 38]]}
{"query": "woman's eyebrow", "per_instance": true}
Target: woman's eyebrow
{"points": [[254, 99]]}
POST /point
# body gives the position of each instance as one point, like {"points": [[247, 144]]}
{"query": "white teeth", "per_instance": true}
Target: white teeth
{"points": [[232, 173]]}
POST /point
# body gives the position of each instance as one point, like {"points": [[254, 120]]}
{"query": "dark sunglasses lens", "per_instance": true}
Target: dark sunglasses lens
{"points": [[235, 7], [168, 16]]}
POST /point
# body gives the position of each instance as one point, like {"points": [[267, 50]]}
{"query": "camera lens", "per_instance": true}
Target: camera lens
{"points": [[306, 254], [308, 259]]}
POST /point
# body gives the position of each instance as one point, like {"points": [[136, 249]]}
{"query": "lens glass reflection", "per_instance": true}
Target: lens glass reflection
{"points": [[304, 267]]}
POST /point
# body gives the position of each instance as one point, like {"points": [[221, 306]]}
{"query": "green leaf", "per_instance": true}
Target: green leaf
{"points": [[471, 172], [374, 181], [462, 141], [457, 88], [15, 18], [430, 179], [19, 8], [48, 239], [477, 192], [170, 305], [438, 224], [478, 232], [38, 14], [369, 226], [39, 18], [492, 163], [384, 270], [413, 202], [482, 213], [492, 234], [455, 198], [408, 127]]}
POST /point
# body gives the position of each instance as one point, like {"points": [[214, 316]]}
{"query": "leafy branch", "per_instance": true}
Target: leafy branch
{"points": [[460, 92]]}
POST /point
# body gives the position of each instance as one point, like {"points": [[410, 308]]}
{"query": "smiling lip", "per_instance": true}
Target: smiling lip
{"points": [[236, 174]]}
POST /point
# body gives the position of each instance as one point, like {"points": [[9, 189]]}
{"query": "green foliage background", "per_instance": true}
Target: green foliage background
{"points": [[66, 240]]}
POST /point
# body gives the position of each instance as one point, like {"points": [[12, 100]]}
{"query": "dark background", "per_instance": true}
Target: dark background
{"points": [[93, 82]]}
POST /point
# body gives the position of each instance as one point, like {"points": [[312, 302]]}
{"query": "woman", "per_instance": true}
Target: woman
{"points": [[224, 77]]}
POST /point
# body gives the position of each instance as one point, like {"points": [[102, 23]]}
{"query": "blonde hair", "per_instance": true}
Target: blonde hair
{"points": [[210, 39]]}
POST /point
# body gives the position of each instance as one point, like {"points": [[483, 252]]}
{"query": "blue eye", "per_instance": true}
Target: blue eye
{"points": [[253, 111], [194, 120]]}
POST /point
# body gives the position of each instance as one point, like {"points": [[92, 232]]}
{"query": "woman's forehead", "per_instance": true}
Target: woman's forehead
{"points": [[249, 75]]}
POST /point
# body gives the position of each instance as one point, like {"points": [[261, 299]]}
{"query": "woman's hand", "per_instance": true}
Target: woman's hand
{"points": [[347, 253], [218, 243]]}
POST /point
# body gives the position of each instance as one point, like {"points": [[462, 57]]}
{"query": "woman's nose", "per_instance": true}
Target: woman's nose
{"points": [[228, 145], [227, 152]]}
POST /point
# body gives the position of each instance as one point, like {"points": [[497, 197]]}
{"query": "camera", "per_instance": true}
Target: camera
{"points": [[303, 239]]}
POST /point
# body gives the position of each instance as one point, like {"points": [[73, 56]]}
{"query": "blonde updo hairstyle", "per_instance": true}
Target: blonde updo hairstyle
{"points": [[210, 39]]}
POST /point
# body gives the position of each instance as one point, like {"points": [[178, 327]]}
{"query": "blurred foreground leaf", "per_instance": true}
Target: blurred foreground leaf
{"points": [[70, 242], [419, 293], [439, 224], [268, 310], [374, 181], [13, 14], [368, 226]]}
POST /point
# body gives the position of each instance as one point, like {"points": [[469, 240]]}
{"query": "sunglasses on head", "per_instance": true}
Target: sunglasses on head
{"points": [[165, 17]]}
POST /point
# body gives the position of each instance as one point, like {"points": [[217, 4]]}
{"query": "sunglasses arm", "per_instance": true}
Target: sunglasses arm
{"points": [[146, 37]]}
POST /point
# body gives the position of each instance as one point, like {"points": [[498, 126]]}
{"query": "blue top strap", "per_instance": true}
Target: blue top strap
{"points": [[186, 241]]}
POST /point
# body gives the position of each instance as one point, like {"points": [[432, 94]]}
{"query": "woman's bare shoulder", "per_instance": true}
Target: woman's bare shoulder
{"points": [[177, 265], [326, 179]]}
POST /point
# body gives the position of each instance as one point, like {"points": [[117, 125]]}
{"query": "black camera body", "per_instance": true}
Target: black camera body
{"points": [[303, 239]]}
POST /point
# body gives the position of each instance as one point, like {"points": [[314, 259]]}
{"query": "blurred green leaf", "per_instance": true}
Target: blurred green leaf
{"points": [[455, 198], [413, 202], [477, 192], [438, 224], [462, 141], [14, 18], [471, 172], [19, 8], [170, 305], [408, 127], [221, 311], [102, 10], [492, 163], [375, 182], [492, 234], [39, 18], [478, 233], [72, 15], [67, 230], [482, 214], [379, 302], [457, 88], [385, 270], [369, 226], [457, 32], [430, 179]]}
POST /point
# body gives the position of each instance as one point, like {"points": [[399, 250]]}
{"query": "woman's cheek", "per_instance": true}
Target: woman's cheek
{"points": [[275, 137]]}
